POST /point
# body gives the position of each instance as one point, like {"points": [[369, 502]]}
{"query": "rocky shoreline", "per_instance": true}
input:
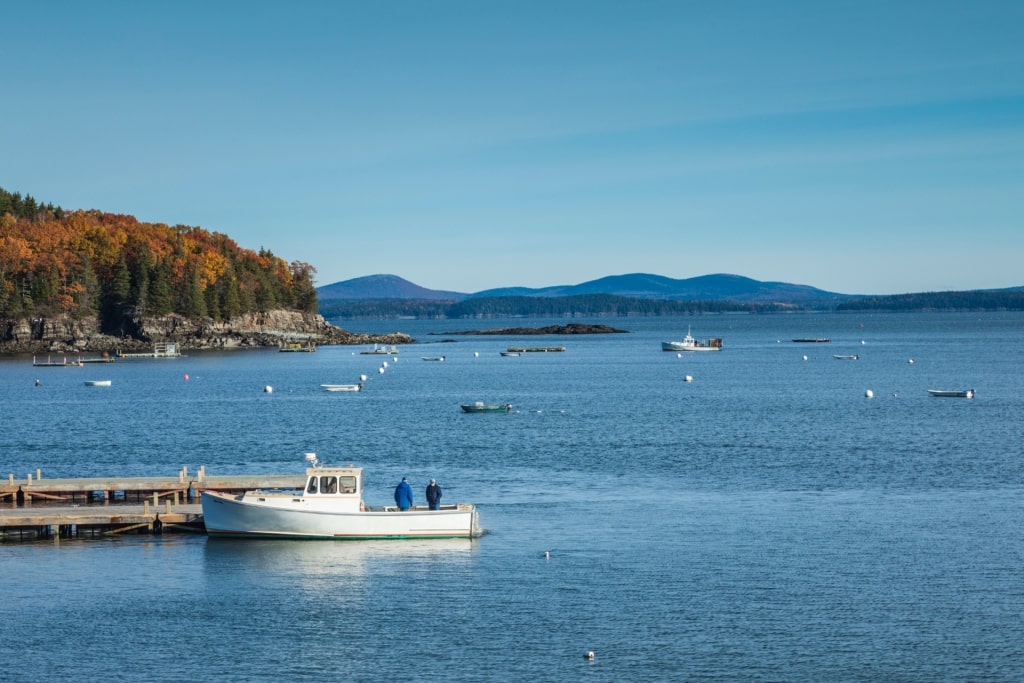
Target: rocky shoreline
{"points": [[139, 333]]}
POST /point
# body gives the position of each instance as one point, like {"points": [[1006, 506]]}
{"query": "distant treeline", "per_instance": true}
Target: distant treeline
{"points": [[976, 300], [87, 263], [608, 305], [589, 305]]}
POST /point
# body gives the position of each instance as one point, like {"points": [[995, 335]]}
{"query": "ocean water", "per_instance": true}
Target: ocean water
{"points": [[765, 521]]}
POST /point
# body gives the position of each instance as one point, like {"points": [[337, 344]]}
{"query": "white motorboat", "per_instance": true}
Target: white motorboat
{"points": [[330, 507], [342, 387], [688, 343], [97, 382]]}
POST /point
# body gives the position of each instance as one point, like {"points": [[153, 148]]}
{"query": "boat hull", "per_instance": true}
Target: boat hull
{"points": [[956, 393], [486, 409], [341, 387], [284, 516], [683, 346]]}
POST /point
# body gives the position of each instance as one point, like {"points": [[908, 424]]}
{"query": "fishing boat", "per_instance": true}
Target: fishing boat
{"points": [[434, 358], [688, 343], [853, 357], [342, 387], [481, 407], [97, 382], [952, 393], [380, 351], [812, 340], [510, 354], [330, 507]]}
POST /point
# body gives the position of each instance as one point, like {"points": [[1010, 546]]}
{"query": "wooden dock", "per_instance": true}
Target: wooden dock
{"points": [[35, 507]]}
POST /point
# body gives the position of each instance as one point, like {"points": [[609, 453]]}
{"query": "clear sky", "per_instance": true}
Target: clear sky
{"points": [[856, 146]]}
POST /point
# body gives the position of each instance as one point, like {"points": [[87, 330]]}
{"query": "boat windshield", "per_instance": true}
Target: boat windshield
{"points": [[328, 484]]}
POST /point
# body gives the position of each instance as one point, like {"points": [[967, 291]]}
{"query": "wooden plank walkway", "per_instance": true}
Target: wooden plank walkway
{"points": [[36, 507]]}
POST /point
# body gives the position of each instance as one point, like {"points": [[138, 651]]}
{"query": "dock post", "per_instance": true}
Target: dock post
{"points": [[145, 507], [28, 479], [168, 505], [39, 474], [156, 499], [10, 478]]}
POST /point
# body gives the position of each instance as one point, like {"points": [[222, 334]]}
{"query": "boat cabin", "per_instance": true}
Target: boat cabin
{"points": [[333, 482]]}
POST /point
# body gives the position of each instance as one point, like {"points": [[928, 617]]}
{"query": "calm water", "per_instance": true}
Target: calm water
{"points": [[764, 522]]}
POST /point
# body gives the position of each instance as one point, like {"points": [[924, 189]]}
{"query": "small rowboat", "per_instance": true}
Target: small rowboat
{"points": [[481, 407], [97, 382], [952, 393], [342, 387]]}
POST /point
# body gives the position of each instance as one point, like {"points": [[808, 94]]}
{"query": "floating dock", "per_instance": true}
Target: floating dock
{"points": [[37, 508]]}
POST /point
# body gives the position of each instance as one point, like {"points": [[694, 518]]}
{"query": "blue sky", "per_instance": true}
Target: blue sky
{"points": [[858, 147]]}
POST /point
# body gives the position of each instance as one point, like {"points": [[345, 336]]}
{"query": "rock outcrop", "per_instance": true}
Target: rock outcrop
{"points": [[139, 333]]}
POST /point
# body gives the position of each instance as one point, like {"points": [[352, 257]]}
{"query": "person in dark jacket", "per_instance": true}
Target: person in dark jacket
{"points": [[434, 495], [403, 495]]}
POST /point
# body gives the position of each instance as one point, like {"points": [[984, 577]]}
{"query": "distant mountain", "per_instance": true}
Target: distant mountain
{"points": [[383, 287], [720, 287]]}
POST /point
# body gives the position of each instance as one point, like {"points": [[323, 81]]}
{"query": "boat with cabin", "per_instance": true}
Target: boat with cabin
{"points": [[952, 393], [380, 351], [688, 343], [330, 506]]}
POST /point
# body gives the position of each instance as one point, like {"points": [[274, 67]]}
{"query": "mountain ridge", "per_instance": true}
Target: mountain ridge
{"points": [[719, 286]]}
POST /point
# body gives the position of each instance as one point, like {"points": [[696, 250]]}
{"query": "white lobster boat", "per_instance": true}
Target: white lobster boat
{"points": [[330, 507], [688, 343]]}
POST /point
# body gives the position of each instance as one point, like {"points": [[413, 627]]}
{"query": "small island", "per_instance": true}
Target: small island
{"points": [[572, 328]]}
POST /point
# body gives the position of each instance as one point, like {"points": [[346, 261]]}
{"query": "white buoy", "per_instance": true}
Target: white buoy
{"points": [[589, 656], [547, 554], [805, 357], [362, 378], [268, 389], [476, 354], [910, 362], [380, 371], [869, 394], [679, 355], [688, 378], [862, 342], [384, 364]]}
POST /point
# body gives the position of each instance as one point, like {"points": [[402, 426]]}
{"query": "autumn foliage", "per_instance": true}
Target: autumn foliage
{"points": [[88, 263]]}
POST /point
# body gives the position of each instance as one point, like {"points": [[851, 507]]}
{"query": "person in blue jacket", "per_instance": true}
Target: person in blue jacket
{"points": [[403, 495]]}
